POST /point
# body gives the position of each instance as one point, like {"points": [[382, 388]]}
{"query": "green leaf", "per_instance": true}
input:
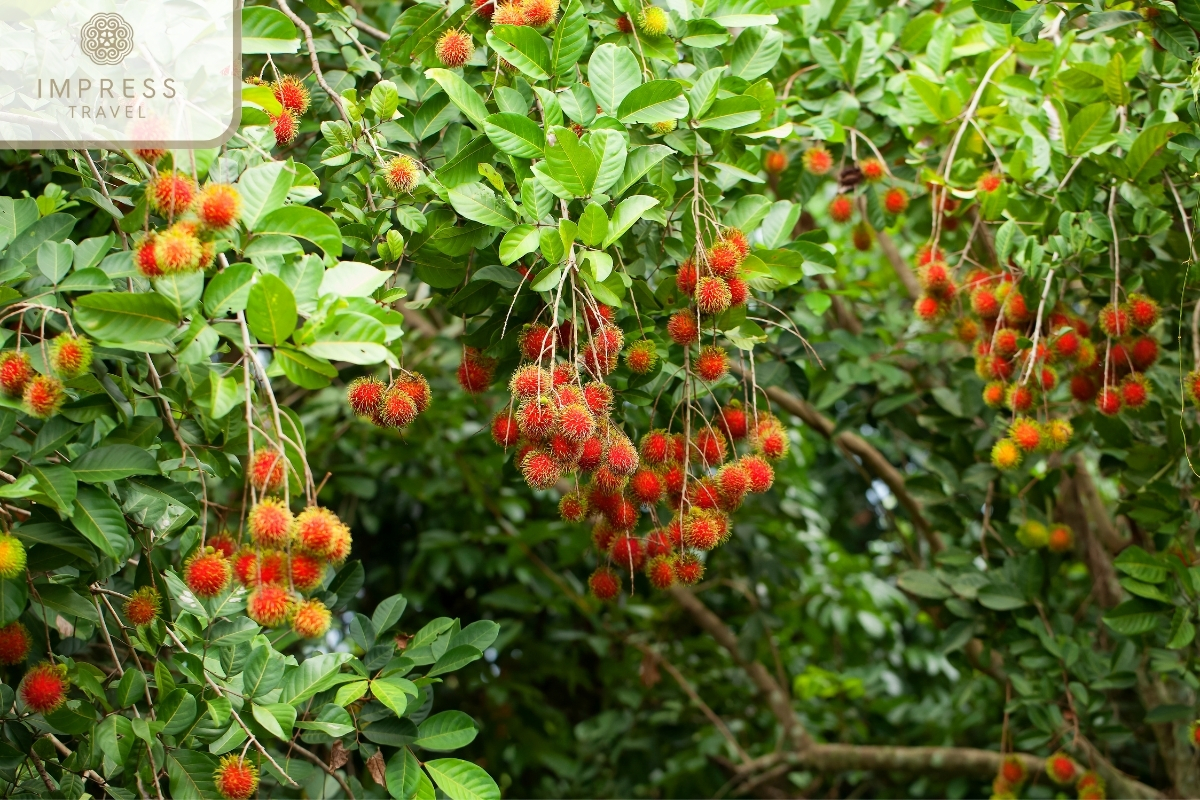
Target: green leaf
{"points": [[314, 675], [63, 599], [123, 317], [523, 47], [86, 280], [570, 38], [182, 289], [14, 595], [613, 73], [98, 517], [353, 279], [59, 484], [628, 212], [1141, 157], [403, 774], [571, 164], [1001, 597], [461, 94], [517, 243], [479, 203], [481, 634], [1143, 566], [610, 148], [923, 584], [639, 161], [263, 189], [271, 310], [277, 718], [132, 688], [306, 223], [54, 259], [177, 711], [384, 99], [1134, 617], [446, 731], [593, 225], [732, 112], [352, 337], [755, 52], [262, 672], [267, 30], [1183, 632], [192, 774], [1114, 81], [463, 167], [462, 780], [388, 612], [1175, 37], [656, 101], [391, 693], [1087, 129], [453, 659], [114, 462], [302, 369], [999, 11], [516, 135], [229, 290]]}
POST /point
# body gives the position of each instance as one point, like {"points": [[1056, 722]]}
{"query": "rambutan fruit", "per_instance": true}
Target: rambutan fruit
{"points": [[536, 341], [145, 257], [1143, 311], [702, 493], [1000, 368], [43, 396], [739, 291], [701, 529], [365, 395], [627, 552], [1108, 401], [564, 450], [709, 446], [989, 183], [685, 278], [599, 398], [895, 201], [475, 371], [171, 193], [44, 687], [1135, 391], [622, 456], [733, 481], [70, 356], [724, 259], [1019, 398], [995, 394], [1061, 769], [1066, 345], [928, 308], [738, 239], [236, 778], [540, 470], [245, 566], [1060, 539], [872, 169], [712, 296], [307, 571], [530, 380], [1143, 353], [1026, 433], [1016, 312], [505, 431], [1114, 320], [673, 481], [315, 529], [1083, 388], [396, 408], [576, 423], [688, 569], [15, 642], [1012, 769], [509, 14], [603, 535], [624, 25], [177, 249], [536, 418], [1047, 378], [455, 48], [340, 550], [660, 571], [604, 584], [817, 160], [683, 328], [416, 386], [271, 568], [270, 522], [984, 303], [760, 473], [285, 126], [206, 574], [291, 93], [402, 174], [646, 486], [573, 507], [270, 605], [15, 372], [143, 606], [1057, 434], [655, 447], [267, 470], [1033, 534], [641, 357], [311, 619], [712, 363], [732, 421], [1006, 455], [861, 237], [1004, 342], [771, 441], [539, 13], [218, 206], [841, 209], [591, 454], [653, 21], [12, 557], [150, 155], [622, 514], [1090, 786]]}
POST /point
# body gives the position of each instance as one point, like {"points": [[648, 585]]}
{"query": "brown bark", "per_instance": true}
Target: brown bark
{"points": [[892, 253], [1070, 511], [1179, 757], [1100, 519], [872, 459], [777, 699]]}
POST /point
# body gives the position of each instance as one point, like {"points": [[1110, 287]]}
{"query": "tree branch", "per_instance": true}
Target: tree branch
{"points": [[315, 759], [1100, 518], [892, 253]]}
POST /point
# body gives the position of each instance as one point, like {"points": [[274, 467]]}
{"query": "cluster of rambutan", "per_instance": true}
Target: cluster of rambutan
{"points": [[293, 96], [534, 13], [198, 217], [715, 285], [42, 395], [390, 405], [1035, 535], [285, 558], [818, 161]]}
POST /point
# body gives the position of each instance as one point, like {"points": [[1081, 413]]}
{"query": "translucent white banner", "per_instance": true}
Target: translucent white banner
{"points": [[119, 73]]}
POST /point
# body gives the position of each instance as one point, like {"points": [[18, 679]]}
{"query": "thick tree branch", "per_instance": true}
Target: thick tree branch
{"points": [[776, 697], [874, 460], [892, 253], [1100, 518]]}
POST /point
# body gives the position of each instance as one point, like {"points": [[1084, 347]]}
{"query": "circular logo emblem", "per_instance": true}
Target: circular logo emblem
{"points": [[107, 39]]}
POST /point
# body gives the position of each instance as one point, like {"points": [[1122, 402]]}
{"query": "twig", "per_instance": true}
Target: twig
{"points": [[314, 758]]}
